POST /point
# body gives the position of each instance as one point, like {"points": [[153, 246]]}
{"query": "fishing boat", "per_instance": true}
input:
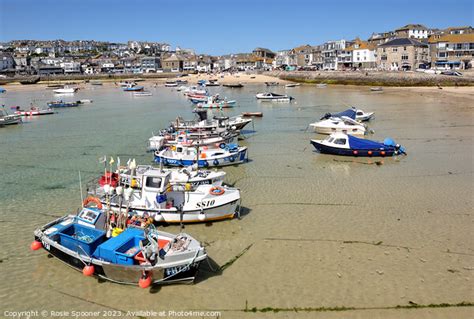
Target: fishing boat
{"points": [[292, 85], [171, 84], [127, 83], [321, 85], [34, 111], [8, 119], [194, 90], [190, 138], [339, 124], [96, 83], [348, 145], [272, 83], [62, 103], [273, 97], [353, 113], [376, 89], [217, 124], [211, 83], [163, 201], [183, 155], [188, 178], [144, 93], [234, 86], [120, 248], [133, 88], [66, 90], [215, 102], [252, 114]]}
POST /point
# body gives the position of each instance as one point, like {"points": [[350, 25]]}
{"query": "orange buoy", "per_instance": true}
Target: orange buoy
{"points": [[382, 153], [355, 152], [88, 270], [35, 245], [369, 152], [145, 281], [94, 200], [217, 191]]}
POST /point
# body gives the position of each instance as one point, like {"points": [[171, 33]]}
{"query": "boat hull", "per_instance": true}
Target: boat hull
{"points": [[325, 149], [118, 273], [331, 130], [232, 159]]}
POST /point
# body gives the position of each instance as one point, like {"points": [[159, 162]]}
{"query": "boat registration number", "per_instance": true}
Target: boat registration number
{"points": [[205, 203], [45, 244]]}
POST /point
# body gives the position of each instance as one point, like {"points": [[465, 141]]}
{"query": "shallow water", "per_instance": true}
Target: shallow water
{"points": [[323, 231]]}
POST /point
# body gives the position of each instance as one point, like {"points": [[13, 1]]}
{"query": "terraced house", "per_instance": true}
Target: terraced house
{"points": [[402, 54], [452, 51]]}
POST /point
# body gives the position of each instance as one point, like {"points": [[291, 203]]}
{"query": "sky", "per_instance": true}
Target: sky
{"points": [[220, 27]]}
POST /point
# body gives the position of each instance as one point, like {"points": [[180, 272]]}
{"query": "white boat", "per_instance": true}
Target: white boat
{"points": [[9, 119], [66, 90], [214, 102], [343, 124], [211, 83], [186, 179], [171, 84], [194, 90], [321, 85], [85, 101], [217, 124], [363, 116], [156, 143], [184, 155], [292, 85], [144, 93], [159, 199], [268, 96]]}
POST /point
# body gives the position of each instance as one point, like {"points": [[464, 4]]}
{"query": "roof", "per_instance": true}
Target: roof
{"points": [[303, 47], [173, 57], [453, 38], [361, 45], [263, 49], [412, 26], [403, 42]]}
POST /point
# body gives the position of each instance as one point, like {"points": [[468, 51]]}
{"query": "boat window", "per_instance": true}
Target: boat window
{"points": [[179, 149], [154, 182], [360, 113], [331, 139], [340, 141]]}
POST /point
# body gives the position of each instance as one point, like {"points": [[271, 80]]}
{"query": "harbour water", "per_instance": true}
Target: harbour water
{"points": [[318, 231]]}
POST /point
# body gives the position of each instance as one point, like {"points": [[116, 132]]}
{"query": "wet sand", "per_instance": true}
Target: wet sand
{"points": [[318, 232]]}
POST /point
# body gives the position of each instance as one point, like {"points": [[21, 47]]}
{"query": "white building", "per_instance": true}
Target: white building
{"points": [[330, 53], [71, 67], [364, 55], [415, 31]]}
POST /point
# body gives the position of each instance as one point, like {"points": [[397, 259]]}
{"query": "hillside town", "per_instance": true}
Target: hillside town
{"points": [[408, 48]]}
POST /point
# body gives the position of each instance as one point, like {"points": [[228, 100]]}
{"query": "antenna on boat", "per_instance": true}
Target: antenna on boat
{"points": [[80, 187]]}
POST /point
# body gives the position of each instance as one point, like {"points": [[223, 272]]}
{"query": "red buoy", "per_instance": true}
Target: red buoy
{"points": [[36, 245], [382, 153], [145, 281], [356, 152], [369, 152], [88, 270]]}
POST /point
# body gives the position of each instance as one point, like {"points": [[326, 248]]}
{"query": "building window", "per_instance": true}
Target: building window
{"points": [[441, 54], [458, 46], [404, 48], [394, 49], [471, 46], [383, 58], [404, 57]]}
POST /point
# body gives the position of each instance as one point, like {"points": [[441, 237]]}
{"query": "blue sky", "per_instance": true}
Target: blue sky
{"points": [[218, 27]]}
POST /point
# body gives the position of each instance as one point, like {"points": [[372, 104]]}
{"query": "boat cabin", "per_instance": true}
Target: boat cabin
{"points": [[339, 140]]}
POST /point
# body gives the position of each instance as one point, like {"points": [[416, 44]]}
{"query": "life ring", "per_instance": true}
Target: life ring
{"points": [[94, 200], [217, 191]]}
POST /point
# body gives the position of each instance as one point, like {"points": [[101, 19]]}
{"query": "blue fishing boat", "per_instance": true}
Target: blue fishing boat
{"points": [[184, 155], [348, 145], [133, 88], [62, 103], [120, 248]]}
